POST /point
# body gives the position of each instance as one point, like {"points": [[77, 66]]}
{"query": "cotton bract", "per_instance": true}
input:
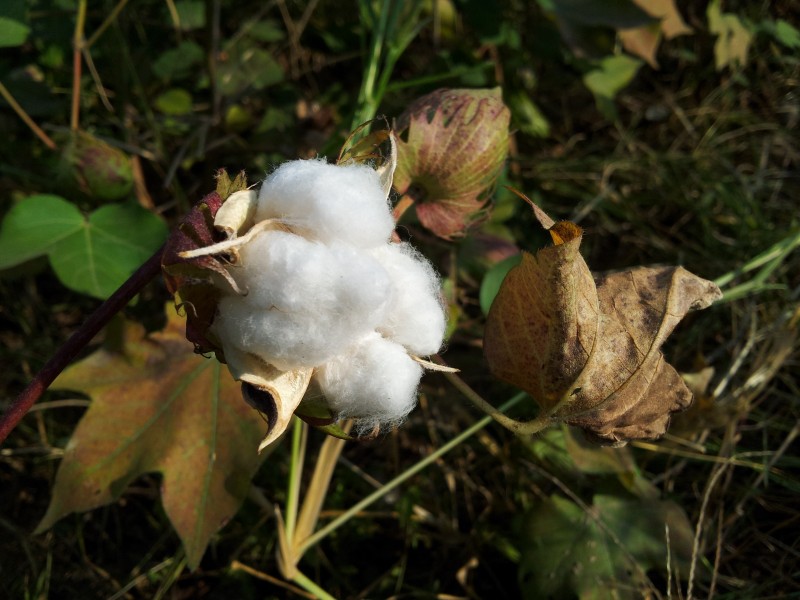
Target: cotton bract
{"points": [[316, 283]]}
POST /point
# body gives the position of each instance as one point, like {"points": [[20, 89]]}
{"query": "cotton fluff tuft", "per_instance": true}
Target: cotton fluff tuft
{"points": [[375, 382], [305, 302], [416, 317], [328, 202]]}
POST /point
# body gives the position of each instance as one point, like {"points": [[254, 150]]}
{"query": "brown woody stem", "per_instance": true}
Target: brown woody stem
{"points": [[77, 45], [64, 355], [518, 427]]}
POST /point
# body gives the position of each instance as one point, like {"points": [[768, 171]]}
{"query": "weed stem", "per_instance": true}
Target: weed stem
{"points": [[518, 427], [405, 475]]}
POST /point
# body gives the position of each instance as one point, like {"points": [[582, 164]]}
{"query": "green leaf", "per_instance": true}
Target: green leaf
{"points": [[528, 116], [783, 32], [602, 553], [179, 62], [493, 279], [159, 407], [191, 13], [34, 226], [14, 27], [267, 31], [248, 67], [733, 37], [614, 74], [175, 102], [103, 253]]}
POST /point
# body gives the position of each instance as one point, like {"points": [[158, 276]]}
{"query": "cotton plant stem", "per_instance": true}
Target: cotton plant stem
{"points": [[12, 102], [517, 427], [304, 582], [299, 442], [404, 476], [64, 355], [405, 202], [317, 490], [77, 45]]}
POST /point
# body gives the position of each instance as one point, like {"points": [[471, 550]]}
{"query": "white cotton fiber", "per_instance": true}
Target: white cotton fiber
{"points": [[328, 202], [286, 340], [415, 317], [305, 301], [375, 382], [288, 272]]}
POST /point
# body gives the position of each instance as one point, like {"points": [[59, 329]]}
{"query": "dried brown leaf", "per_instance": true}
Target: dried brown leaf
{"points": [[588, 350]]}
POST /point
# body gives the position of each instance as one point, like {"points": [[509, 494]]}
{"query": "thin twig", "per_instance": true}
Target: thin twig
{"points": [[237, 566], [106, 23], [12, 102], [77, 45], [699, 529], [518, 427], [64, 355]]}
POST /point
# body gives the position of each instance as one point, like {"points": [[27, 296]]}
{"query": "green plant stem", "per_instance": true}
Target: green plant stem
{"points": [[64, 355], [299, 442], [404, 476], [777, 252], [317, 491], [518, 427], [309, 586]]}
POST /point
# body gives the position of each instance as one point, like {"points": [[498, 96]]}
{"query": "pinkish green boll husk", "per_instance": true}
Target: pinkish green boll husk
{"points": [[451, 149], [102, 171]]}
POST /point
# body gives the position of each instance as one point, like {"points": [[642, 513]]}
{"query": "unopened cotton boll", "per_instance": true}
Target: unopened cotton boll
{"points": [[415, 317], [328, 202], [375, 382]]}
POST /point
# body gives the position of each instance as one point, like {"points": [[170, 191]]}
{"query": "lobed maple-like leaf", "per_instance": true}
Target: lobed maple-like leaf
{"points": [[588, 349], [157, 407]]}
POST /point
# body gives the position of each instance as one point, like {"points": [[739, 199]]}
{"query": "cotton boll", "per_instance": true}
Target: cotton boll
{"points": [[415, 317], [375, 382], [288, 272], [291, 274], [328, 202], [285, 340]]}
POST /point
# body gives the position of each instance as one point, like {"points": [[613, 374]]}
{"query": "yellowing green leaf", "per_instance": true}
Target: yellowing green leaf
{"points": [[157, 407], [613, 75], [733, 37]]}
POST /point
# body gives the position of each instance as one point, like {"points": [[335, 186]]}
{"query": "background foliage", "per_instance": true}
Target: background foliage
{"points": [[680, 152]]}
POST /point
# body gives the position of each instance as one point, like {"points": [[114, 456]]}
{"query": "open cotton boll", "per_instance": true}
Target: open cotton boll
{"points": [[286, 340], [285, 271], [288, 272], [328, 202], [374, 382], [415, 317]]}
